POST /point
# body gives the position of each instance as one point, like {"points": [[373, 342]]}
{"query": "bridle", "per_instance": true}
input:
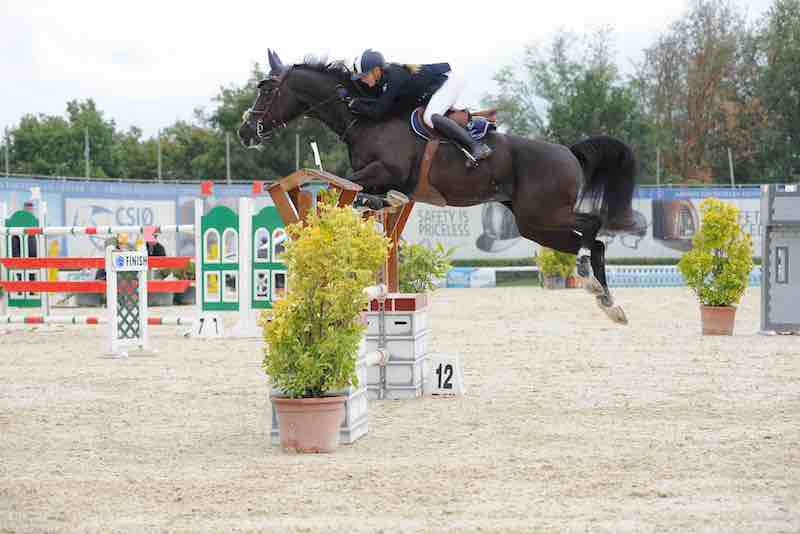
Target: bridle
{"points": [[265, 115]]}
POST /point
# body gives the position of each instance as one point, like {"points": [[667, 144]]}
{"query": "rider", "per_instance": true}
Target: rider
{"points": [[435, 84]]}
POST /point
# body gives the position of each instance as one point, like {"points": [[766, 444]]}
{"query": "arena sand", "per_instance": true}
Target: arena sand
{"points": [[570, 424]]}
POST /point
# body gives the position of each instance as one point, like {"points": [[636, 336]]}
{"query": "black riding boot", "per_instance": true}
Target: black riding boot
{"points": [[453, 131]]}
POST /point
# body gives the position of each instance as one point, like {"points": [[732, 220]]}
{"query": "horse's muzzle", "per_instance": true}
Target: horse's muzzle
{"points": [[249, 137]]}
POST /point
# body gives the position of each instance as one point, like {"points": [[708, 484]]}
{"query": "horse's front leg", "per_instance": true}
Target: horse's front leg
{"points": [[376, 179]]}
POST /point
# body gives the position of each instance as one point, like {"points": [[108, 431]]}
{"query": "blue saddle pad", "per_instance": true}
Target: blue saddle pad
{"points": [[478, 127]]}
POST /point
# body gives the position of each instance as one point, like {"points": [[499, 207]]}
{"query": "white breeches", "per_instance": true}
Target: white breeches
{"points": [[443, 99]]}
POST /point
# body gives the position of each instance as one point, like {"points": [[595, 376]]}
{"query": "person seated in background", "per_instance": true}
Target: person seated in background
{"points": [[154, 248]]}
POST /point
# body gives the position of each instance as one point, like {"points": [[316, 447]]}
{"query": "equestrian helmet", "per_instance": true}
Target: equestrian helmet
{"points": [[368, 60]]}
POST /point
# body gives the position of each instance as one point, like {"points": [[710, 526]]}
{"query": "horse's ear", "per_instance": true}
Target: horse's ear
{"points": [[275, 64]]}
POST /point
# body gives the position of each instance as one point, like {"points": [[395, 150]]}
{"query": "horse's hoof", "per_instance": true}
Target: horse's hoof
{"points": [[614, 312], [593, 286], [396, 198], [367, 202]]}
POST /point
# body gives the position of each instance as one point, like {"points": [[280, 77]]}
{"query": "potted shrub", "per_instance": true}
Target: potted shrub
{"points": [[717, 267], [313, 336], [420, 266], [555, 267]]}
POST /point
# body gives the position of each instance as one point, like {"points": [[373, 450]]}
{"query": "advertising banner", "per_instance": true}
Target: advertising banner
{"points": [[115, 212]]}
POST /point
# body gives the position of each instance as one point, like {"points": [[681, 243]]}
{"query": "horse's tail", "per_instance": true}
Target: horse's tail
{"points": [[609, 170]]}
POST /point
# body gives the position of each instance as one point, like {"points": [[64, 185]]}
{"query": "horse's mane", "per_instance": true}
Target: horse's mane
{"points": [[322, 65]]}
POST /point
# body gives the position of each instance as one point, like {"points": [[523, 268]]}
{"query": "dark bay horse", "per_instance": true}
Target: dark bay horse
{"points": [[561, 197]]}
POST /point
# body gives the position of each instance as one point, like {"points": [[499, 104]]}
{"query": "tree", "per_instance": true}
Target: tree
{"points": [[516, 104], [134, 157], [579, 85], [49, 145], [697, 81], [779, 87]]}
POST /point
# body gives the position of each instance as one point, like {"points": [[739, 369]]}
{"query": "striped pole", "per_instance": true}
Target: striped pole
{"points": [[170, 321], [52, 319], [97, 230], [3, 253], [63, 262], [88, 320], [89, 286]]}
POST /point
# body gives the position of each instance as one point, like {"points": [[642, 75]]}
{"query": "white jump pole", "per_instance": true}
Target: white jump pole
{"points": [[380, 356], [247, 325], [121, 340], [198, 261], [207, 325], [3, 252], [41, 248]]}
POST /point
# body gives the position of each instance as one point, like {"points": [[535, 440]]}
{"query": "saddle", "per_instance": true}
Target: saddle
{"points": [[478, 124]]}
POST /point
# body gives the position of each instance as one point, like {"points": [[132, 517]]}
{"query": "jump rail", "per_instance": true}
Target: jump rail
{"points": [[153, 262], [87, 320], [97, 230]]}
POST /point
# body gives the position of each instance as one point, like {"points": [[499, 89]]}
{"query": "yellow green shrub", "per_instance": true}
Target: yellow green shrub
{"points": [[717, 267], [313, 338]]}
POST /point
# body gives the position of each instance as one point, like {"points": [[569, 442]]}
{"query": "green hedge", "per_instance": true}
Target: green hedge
{"points": [[529, 262]]}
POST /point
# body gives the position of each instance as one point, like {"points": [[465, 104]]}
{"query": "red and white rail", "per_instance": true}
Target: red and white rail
{"points": [[87, 320], [97, 230]]}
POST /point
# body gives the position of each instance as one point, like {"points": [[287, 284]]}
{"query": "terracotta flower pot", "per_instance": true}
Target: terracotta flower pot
{"points": [[717, 320], [309, 424]]}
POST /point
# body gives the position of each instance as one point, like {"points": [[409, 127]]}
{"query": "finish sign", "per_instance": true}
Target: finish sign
{"points": [[129, 261]]}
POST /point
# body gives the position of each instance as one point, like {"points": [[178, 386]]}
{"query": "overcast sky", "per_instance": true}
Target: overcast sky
{"points": [[149, 63]]}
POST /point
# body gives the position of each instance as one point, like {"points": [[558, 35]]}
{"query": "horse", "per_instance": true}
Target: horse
{"points": [[561, 197]]}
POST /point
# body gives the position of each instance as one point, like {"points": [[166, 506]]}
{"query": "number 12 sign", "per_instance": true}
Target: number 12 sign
{"points": [[445, 376]]}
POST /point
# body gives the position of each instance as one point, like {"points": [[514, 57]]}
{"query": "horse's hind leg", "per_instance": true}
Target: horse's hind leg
{"points": [[592, 267], [604, 298]]}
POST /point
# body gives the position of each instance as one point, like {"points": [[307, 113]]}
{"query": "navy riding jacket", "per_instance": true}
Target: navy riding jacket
{"points": [[399, 85]]}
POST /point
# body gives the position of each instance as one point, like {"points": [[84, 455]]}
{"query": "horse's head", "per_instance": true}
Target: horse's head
{"points": [[315, 90]]}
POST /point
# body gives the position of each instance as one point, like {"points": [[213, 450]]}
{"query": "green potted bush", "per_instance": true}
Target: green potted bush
{"points": [[717, 267], [313, 337], [420, 266], [555, 267]]}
